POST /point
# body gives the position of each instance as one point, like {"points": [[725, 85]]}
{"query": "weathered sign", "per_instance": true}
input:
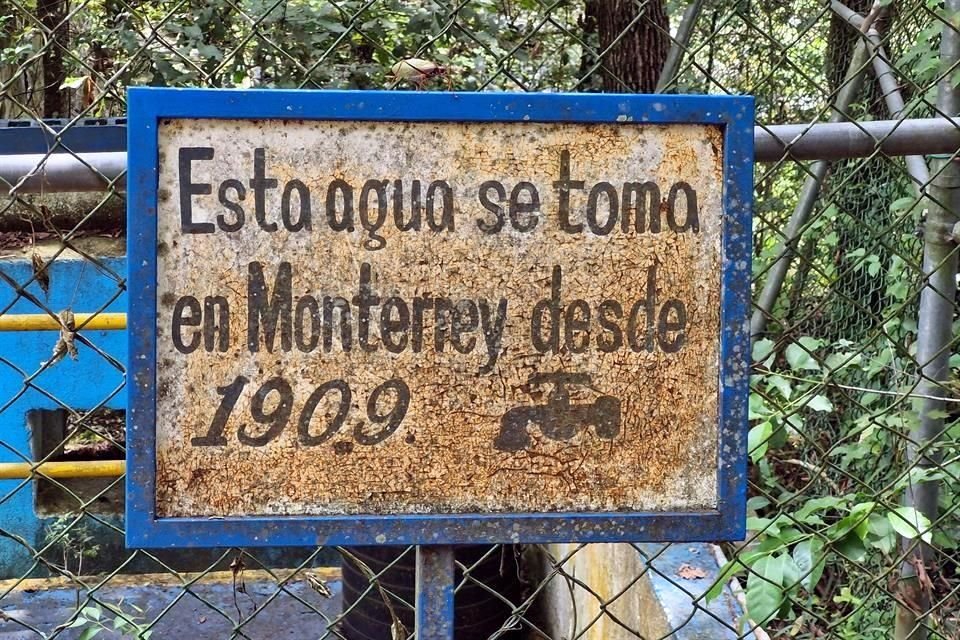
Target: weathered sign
{"points": [[353, 311]]}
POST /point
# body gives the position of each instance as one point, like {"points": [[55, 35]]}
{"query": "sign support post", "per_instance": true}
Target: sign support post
{"points": [[436, 576]]}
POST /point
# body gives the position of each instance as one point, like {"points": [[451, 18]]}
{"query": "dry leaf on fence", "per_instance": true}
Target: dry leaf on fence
{"points": [[319, 585], [40, 272], [65, 342], [689, 572]]}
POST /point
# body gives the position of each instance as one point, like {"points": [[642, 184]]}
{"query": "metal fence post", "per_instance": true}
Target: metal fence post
{"points": [[808, 197], [671, 66], [890, 88], [937, 306], [435, 586]]}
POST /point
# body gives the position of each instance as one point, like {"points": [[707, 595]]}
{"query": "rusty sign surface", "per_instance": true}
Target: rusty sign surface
{"points": [[392, 317]]}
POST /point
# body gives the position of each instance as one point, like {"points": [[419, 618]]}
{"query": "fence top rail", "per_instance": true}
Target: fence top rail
{"points": [[63, 171]]}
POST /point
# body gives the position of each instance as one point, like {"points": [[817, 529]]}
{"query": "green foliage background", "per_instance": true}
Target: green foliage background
{"points": [[830, 405]]}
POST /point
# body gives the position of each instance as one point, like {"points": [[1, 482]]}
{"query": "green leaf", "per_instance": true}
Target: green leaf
{"points": [[881, 533], [758, 407], [730, 569], [209, 52], [761, 349], [862, 529], [791, 573], [91, 612], [902, 204], [816, 504], [757, 440], [73, 82], [88, 633], [851, 547], [788, 535], [848, 597], [899, 290], [799, 355], [765, 525], [764, 593], [794, 424], [840, 361], [781, 384], [910, 523], [820, 403], [808, 554], [855, 521], [856, 254], [79, 622], [771, 544]]}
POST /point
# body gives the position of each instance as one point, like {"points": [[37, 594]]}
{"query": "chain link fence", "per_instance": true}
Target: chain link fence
{"points": [[854, 514]]}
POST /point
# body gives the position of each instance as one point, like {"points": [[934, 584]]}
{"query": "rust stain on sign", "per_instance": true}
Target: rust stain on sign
{"points": [[437, 318]]}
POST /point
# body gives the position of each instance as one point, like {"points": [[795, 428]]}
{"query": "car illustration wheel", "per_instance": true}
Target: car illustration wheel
{"points": [[607, 410]]}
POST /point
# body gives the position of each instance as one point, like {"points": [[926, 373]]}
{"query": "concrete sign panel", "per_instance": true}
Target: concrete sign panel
{"points": [[501, 315]]}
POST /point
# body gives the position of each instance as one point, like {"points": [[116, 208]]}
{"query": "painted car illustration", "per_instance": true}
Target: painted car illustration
{"points": [[557, 418]]}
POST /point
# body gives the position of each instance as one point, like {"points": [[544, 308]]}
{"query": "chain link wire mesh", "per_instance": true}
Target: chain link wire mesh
{"points": [[838, 546]]}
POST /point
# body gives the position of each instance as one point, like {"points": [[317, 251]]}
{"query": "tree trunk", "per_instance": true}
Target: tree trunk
{"points": [[637, 48], [51, 14]]}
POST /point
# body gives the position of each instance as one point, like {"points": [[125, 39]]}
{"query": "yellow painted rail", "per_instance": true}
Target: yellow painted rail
{"points": [[79, 469], [43, 321]]}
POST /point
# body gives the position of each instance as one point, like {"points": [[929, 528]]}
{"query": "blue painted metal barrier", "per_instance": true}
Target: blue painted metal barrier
{"points": [[88, 382], [87, 135]]}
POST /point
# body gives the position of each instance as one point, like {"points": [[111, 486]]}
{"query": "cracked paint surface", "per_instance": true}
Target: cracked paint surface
{"points": [[442, 457]]}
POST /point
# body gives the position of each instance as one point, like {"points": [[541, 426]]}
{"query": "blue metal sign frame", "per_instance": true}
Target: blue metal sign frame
{"points": [[147, 106]]}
